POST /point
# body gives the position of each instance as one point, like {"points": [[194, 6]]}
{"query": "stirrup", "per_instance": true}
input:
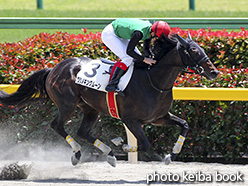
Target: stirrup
{"points": [[120, 93], [111, 88]]}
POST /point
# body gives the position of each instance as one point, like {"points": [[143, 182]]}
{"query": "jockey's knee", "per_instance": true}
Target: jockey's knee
{"points": [[127, 60]]}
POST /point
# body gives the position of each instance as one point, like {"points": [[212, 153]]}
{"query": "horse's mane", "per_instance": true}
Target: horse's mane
{"points": [[160, 48], [163, 45]]}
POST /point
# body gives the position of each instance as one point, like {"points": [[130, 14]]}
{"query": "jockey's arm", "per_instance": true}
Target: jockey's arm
{"points": [[136, 37]]}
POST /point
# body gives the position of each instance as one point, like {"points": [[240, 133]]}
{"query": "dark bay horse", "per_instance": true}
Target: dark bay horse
{"points": [[148, 96]]}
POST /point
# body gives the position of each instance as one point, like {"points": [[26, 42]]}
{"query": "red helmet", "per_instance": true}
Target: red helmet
{"points": [[160, 27]]}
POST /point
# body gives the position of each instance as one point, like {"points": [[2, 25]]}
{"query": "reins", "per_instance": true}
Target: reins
{"points": [[153, 85], [166, 90]]}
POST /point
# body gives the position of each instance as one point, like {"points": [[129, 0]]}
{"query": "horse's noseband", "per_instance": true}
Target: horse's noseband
{"points": [[198, 69]]}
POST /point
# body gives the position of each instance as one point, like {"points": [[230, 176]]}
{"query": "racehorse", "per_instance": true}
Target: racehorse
{"points": [[148, 96]]}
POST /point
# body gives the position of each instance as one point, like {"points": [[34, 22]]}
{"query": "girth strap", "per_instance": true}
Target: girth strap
{"points": [[111, 97]]}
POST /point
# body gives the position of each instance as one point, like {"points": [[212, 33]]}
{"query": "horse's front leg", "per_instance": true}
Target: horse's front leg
{"points": [[136, 128], [171, 119]]}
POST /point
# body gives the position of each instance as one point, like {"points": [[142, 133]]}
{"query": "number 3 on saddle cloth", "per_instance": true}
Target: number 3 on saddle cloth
{"points": [[96, 74]]}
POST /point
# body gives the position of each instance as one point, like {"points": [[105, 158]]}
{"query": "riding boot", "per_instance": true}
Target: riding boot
{"points": [[113, 83]]}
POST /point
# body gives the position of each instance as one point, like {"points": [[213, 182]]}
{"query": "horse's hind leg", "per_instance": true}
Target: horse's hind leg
{"points": [[90, 118], [66, 103], [58, 125]]}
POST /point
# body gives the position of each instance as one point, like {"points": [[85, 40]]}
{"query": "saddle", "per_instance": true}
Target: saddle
{"points": [[95, 74], [108, 62]]}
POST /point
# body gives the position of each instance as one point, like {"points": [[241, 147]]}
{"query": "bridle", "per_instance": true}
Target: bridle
{"points": [[191, 65], [188, 59]]}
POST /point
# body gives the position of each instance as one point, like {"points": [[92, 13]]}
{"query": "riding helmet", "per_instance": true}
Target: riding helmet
{"points": [[160, 27]]}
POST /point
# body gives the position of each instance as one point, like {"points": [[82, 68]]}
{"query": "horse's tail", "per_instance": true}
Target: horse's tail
{"points": [[30, 88]]}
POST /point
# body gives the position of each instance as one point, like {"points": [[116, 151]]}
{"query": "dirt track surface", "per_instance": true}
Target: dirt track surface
{"points": [[51, 166], [56, 173]]}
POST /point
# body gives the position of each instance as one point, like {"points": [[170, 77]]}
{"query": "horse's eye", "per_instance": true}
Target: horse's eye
{"points": [[195, 52]]}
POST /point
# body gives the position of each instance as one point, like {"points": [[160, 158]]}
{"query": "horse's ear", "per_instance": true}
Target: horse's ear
{"points": [[189, 36], [182, 41]]}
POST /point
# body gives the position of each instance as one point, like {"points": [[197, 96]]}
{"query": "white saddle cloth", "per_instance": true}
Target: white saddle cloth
{"points": [[95, 75]]}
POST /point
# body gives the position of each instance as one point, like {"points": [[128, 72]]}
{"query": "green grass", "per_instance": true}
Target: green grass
{"points": [[127, 5], [120, 13], [113, 8]]}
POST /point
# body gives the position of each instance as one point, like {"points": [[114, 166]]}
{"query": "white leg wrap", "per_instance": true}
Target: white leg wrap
{"points": [[74, 145], [104, 148], [129, 148], [178, 146]]}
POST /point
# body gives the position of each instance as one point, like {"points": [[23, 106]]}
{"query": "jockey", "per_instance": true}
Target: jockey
{"points": [[122, 36]]}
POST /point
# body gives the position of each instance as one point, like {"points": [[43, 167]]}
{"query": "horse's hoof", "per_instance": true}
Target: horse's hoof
{"points": [[111, 160], [117, 141], [173, 156], [76, 158], [126, 148], [167, 159]]}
